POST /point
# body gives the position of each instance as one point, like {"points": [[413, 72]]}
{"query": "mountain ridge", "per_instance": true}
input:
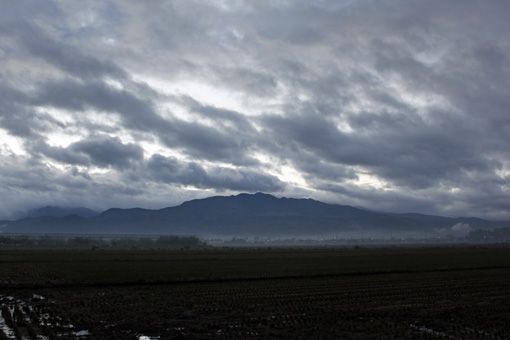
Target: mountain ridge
{"points": [[56, 211], [245, 214]]}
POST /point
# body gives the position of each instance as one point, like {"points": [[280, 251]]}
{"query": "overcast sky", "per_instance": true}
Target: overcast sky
{"points": [[395, 105]]}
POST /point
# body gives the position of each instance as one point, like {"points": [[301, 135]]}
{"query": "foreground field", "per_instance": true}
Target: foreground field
{"points": [[352, 293]]}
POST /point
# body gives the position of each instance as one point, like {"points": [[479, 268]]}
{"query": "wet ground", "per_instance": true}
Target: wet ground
{"points": [[440, 300], [472, 304]]}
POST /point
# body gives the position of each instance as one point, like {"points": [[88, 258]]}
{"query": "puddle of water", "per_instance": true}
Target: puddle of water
{"points": [[37, 297], [8, 331], [427, 330], [81, 333], [35, 319]]}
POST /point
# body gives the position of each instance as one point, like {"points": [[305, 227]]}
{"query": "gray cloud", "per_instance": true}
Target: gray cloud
{"points": [[409, 112], [15, 118], [66, 57], [108, 151], [100, 151], [170, 170], [196, 138]]}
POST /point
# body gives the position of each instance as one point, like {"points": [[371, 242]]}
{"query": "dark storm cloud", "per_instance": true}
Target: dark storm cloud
{"points": [[417, 156], [394, 104], [170, 170], [137, 113], [315, 167], [78, 96], [105, 151], [100, 151], [66, 57], [223, 117], [397, 143], [17, 118]]}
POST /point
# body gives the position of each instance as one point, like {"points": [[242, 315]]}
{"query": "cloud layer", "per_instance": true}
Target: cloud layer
{"points": [[398, 105]]}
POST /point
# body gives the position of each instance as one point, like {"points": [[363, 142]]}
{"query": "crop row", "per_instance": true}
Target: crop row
{"points": [[467, 305]]}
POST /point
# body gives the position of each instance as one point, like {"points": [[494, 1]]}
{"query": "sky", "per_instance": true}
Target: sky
{"points": [[392, 105]]}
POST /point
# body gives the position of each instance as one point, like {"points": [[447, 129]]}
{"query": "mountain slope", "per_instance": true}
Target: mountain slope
{"points": [[244, 215], [51, 211]]}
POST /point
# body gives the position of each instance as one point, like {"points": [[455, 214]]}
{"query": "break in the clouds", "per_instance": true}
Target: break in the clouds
{"points": [[400, 105]]}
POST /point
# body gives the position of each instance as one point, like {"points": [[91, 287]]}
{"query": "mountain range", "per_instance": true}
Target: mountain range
{"points": [[239, 216], [51, 211]]}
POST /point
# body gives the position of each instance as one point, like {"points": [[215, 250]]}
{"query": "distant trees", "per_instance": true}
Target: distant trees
{"points": [[499, 235], [162, 242], [85, 242]]}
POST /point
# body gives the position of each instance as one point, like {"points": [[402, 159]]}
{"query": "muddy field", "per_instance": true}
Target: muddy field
{"points": [[452, 293]]}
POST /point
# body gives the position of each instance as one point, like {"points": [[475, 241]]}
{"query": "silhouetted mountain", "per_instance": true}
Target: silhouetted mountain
{"points": [[245, 215], [50, 211]]}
